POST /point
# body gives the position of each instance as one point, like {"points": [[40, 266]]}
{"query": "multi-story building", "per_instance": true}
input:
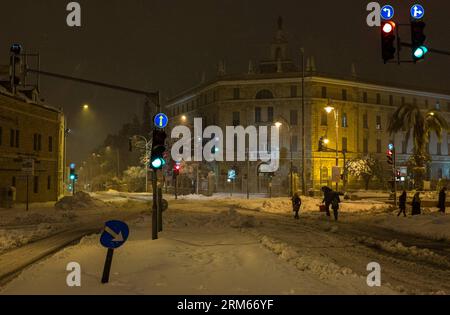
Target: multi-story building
{"points": [[274, 92], [31, 130]]}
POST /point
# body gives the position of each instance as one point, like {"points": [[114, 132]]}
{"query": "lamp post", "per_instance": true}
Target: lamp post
{"points": [[302, 51], [329, 109], [279, 124]]}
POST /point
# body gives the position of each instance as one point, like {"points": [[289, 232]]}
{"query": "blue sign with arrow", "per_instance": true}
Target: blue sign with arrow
{"points": [[417, 11], [115, 234], [387, 12], [161, 121]]}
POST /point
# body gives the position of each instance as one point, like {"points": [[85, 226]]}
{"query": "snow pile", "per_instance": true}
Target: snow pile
{"points": [[397, 247], [431, 225], [10, 239], [284, 205], [234, 219], [316, 265], [80, 200]]}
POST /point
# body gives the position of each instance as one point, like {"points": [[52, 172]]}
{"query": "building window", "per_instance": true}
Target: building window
{"points": [[11, 138], [236, 93], [294, 118], [344, 120], [50, 144], [379, 123], [236, 118], [294, 92], [13, 181], [379, 146], [294, 143], [49, 182], [439, 148], [17, 138], [324, 92], [270, 114], [323, 118], [365, 97], [344, 94], [403, 100], [426, 104], [36, 184], [366, 146], [365, 121], [264, 95], [344, 144], [378, 98], [391, 100], [438, 105], [404, 147], [258, 114], [37, 142]]}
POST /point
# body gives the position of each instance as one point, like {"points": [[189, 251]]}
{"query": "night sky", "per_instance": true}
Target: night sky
{"points": [[167, 44]]}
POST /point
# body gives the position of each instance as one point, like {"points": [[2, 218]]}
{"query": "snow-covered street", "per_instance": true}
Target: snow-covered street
{"points": [[233, 246]]}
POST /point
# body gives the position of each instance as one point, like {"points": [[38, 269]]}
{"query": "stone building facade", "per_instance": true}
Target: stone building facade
{"points": [[273, 92], [31, 130]]}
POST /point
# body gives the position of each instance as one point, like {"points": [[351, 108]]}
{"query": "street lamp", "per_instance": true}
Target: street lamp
{"points": [[329, 109], [86, 107], [279, 124]]}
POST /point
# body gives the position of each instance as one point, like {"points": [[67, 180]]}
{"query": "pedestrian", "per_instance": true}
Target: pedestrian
{"points": [[442, 199], [416, 203], [296, 204], [402, 203], [328, 195], [335, 205]]}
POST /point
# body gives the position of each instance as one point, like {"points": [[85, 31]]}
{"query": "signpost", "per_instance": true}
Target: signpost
{"points": [[387, 12], [27, 171], [114, 235]]}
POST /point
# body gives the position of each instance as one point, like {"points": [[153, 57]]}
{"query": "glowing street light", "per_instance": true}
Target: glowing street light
{"points": [[278, 124], [184, 118], [329, 109], [326, 141], [86, 107]]}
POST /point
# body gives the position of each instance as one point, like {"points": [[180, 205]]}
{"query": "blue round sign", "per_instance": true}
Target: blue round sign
{"points": [[115, 234], [417, 11], [387, 12], [161, 121]]}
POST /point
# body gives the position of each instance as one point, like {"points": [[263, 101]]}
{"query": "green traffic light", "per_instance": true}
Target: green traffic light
{"points": [[158, 163], [420, 52]]}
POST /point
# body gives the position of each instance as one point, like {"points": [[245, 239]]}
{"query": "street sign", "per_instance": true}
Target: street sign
{"points": [[28, 167], [387, 12], [161, 121], [114, 235], [335, 174], [417, 12], [232, 174]]}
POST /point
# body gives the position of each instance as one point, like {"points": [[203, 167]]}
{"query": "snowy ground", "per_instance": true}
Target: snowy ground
{"points": [[231, 246], [19, 227]]}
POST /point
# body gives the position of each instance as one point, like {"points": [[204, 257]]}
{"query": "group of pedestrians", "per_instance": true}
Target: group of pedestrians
{"points": [[331, 199], [417, 203]]}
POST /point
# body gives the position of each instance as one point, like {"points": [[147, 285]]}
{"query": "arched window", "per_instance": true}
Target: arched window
{"points": [[264, 95]]}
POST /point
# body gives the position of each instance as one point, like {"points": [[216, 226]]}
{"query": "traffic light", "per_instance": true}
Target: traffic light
{"points": [[157, 160], [419, 50], [72, 174], [390, 156], [15, 64], [176, 169], [388, 30]]}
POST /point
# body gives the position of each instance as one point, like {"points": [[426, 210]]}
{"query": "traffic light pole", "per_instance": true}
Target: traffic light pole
{"points": [[394, 172], [155, 206]]}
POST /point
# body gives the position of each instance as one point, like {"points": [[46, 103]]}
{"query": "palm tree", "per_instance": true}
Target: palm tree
{"points": [[420, 125]]}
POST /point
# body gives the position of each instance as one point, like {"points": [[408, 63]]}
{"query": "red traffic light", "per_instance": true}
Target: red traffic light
{"points": [[389, 27]]}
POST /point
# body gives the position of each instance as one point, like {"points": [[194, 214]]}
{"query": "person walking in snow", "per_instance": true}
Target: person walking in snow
{"points": [[328, 195], [416, 203], [442, 199], [402, 203], [335, 205], [296, 204]]}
